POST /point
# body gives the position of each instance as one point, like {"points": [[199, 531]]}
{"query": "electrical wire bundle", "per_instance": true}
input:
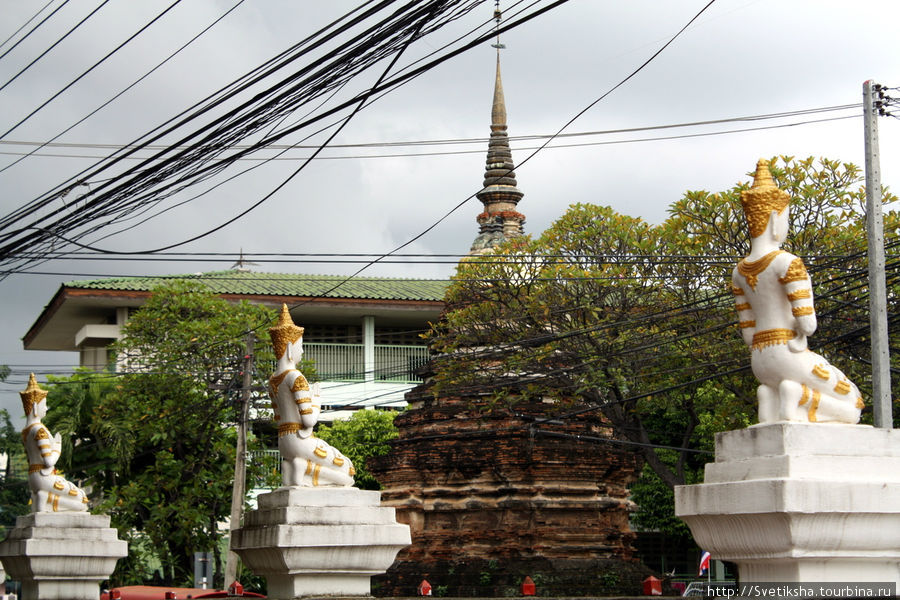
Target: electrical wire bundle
{"points": [[305, 74]]}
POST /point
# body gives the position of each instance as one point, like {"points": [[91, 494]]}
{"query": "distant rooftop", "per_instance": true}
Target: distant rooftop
{"points": [[316, 299], [284, 284]]}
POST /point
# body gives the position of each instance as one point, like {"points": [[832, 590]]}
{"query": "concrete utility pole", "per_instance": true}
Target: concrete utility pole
{"points": [[881, 362], [240, 460]]}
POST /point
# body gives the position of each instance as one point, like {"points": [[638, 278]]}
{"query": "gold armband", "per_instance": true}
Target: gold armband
{"points": [[800, 295], [805, 397], [288, 428], [802, 311], [814, 406], [771, 337]]}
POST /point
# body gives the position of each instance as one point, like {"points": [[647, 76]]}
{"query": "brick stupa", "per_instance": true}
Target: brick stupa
{"points": [[488, 503]]}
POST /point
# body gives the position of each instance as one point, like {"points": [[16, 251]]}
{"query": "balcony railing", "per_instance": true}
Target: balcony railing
{"points": [[346, 362]]}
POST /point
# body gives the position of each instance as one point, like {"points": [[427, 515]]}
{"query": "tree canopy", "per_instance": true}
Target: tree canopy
{"points": [[363, 435], [156, 440], [638, 321], [14, 492]]}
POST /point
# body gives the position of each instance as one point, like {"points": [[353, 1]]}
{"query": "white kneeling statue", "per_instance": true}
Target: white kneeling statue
{"points": [[58, 551], [306, 460], [50, 492], [774, 300]]}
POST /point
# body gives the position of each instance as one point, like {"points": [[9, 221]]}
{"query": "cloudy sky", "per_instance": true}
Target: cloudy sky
{"points": [[741, 58]]}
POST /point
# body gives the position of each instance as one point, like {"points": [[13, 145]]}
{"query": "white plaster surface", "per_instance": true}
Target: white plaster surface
{"points": [[801, 502], [60, 556], [315, 542]]}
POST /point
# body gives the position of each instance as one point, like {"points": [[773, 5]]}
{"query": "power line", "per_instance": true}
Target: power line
{"points": [[85, 73], [458, 152], [388, 33], [53, 45], [40, 145], [244, 82], [457, 141], [33, 29]]}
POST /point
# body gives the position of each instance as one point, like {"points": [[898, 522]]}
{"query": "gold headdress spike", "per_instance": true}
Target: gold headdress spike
{"points": [[285, 332], [32, 395], [761, 199]]}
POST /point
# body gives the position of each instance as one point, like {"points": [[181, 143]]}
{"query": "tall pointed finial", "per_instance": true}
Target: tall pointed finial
{"points": [[500, 220], [498, 14], [498, 110]]}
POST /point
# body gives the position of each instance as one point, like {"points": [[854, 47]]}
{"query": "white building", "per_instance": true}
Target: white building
{"points": [[363, 335]]}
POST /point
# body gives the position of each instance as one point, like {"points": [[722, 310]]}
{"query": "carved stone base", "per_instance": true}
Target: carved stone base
{"points": [[322, 542], [61, 555], [792, 502]]}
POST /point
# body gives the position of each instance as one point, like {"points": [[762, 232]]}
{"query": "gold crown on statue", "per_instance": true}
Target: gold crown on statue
{"points": [[761, 199], [285, 332], [32, 395]]}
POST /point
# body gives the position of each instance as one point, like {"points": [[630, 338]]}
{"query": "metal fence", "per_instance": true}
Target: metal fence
{"points": [[346, 362]]}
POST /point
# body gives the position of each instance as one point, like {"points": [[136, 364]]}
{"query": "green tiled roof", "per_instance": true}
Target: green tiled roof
{"points": [[285, 284]]}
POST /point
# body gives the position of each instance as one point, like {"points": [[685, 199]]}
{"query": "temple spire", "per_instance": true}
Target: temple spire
{"points": [[498, 110], [499, 221]]}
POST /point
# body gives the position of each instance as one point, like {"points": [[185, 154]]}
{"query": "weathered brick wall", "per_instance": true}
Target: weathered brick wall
{"points": [[476, 485]]}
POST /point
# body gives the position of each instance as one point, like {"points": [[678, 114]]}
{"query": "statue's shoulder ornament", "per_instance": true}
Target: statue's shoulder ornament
{"points": [[276, 380], [40, 431], [300, 383], [796, 271]]}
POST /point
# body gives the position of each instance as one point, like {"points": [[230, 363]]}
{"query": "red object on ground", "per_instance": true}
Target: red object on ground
{"points": [[652, 586], [236, 589], [528, 587], [151, 592], [424, 588]]}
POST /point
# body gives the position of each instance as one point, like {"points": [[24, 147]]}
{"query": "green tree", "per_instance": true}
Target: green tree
{"points": [[168, 424], [14, 493], [86, 455], [363, 435], [638, 320]]}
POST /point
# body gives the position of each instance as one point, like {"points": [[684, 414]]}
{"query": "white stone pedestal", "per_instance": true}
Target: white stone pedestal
{"points": [[60, 556], [319, 542], [801, 502]]}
